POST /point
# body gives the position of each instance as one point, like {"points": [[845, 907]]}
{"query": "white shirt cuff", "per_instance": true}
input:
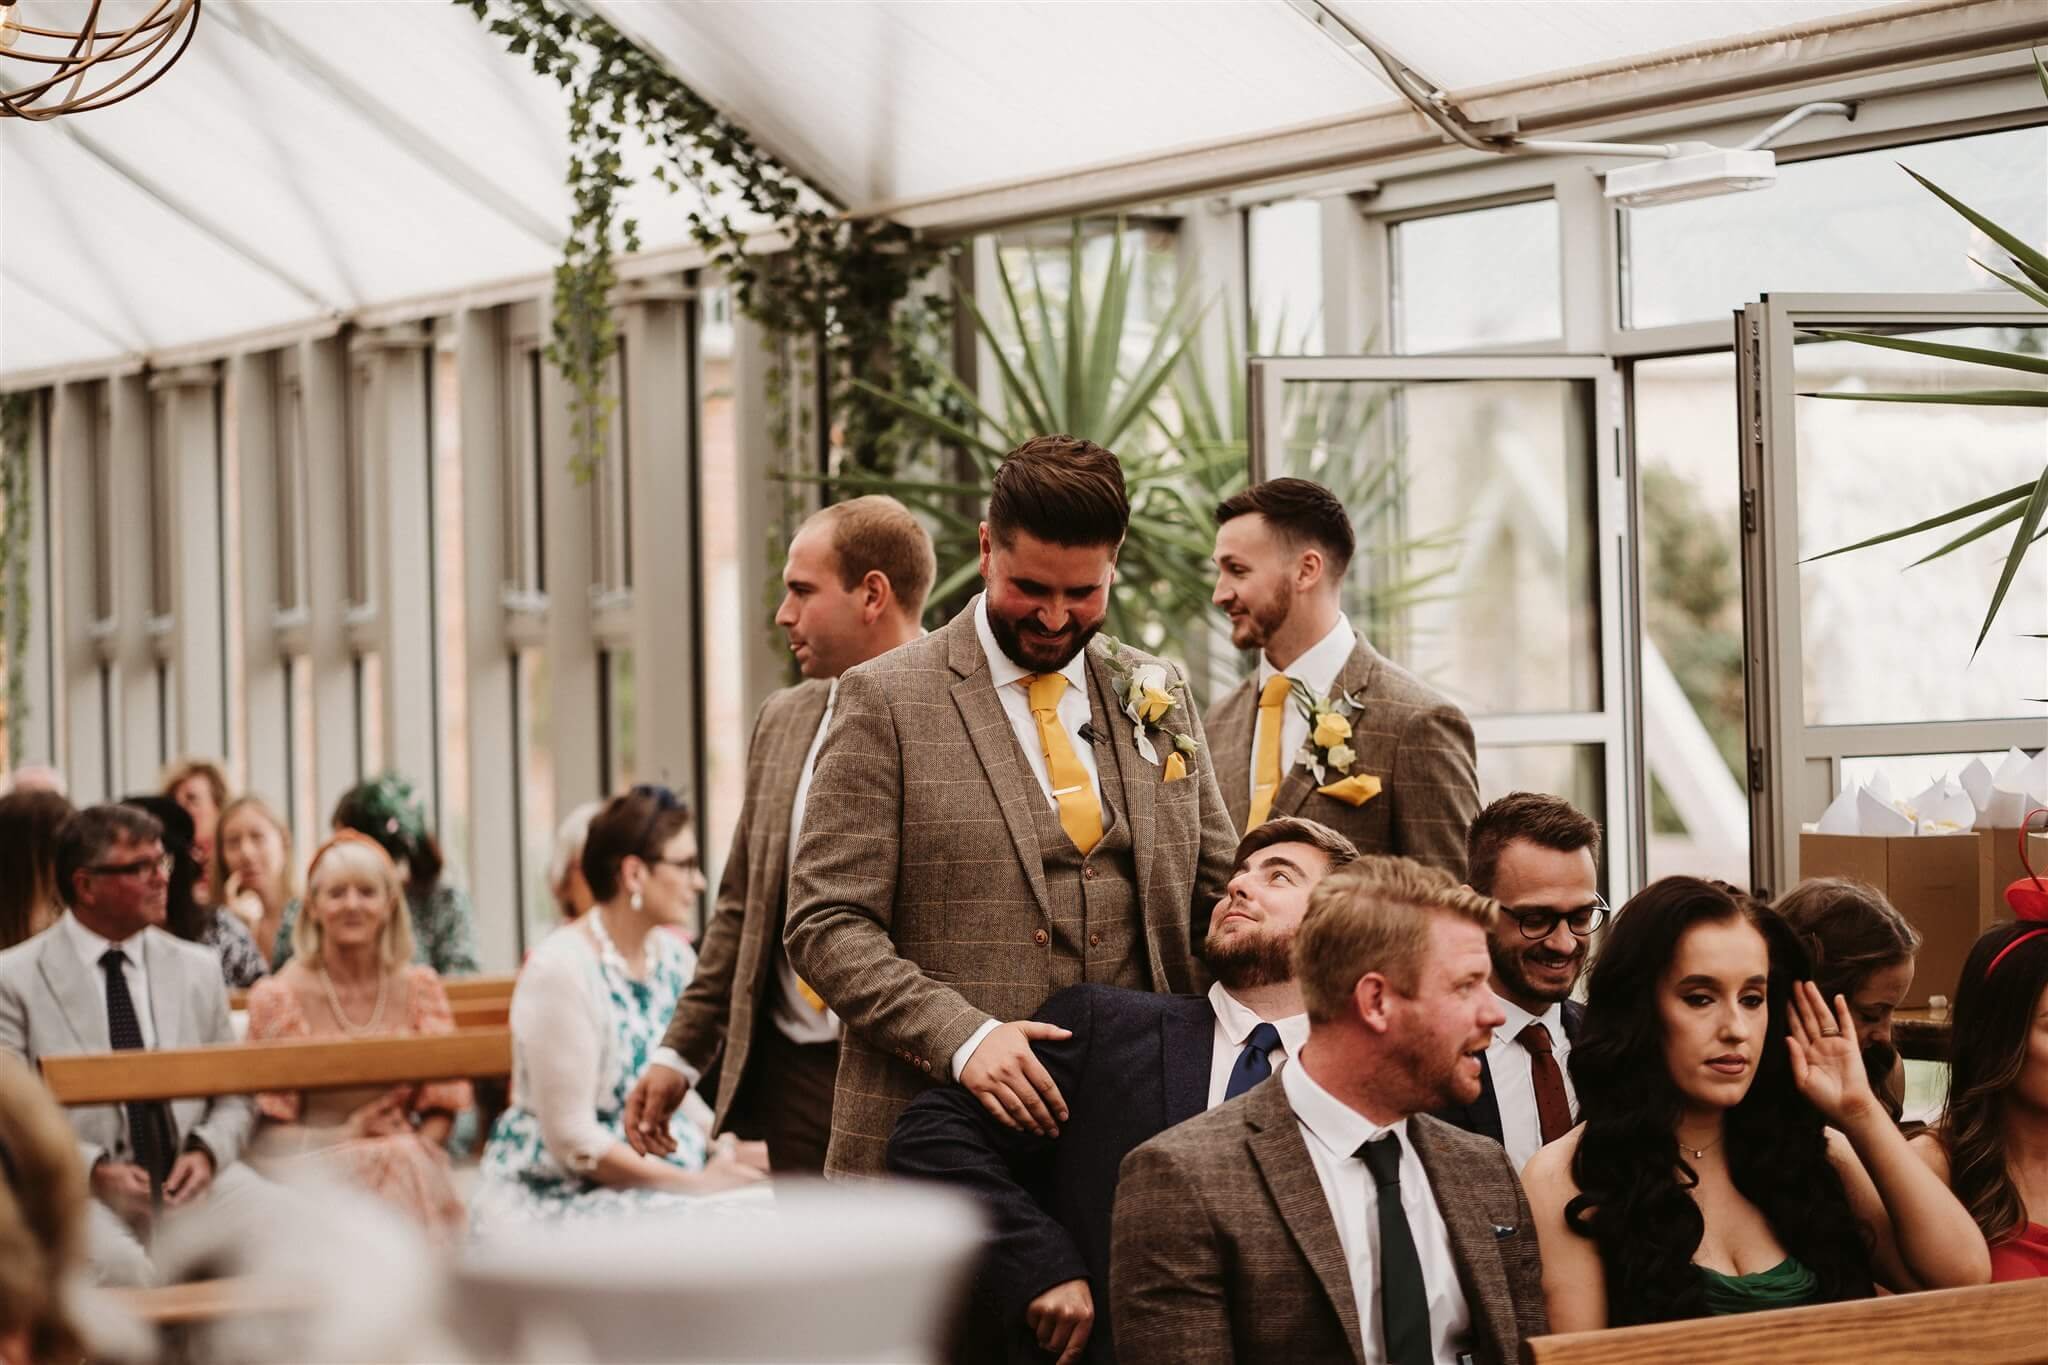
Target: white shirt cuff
{"points": [[673, 1060], [967, 1048]]}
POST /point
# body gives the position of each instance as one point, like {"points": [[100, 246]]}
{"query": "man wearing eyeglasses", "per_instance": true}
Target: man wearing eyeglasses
{"points": [[1539, 857], [106, 977]]}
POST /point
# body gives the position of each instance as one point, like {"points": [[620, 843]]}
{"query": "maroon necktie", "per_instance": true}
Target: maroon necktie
{"points": [[1553, 1110]]}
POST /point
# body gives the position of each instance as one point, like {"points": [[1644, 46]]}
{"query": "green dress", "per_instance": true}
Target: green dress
{"points": [[1788, 1284]]}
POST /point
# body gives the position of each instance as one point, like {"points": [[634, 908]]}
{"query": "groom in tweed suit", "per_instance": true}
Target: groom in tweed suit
{"points": [[854, 587], [985, 827], [1324, 1216]]}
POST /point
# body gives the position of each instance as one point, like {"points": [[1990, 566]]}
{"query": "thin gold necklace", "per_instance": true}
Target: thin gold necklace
{"points": [[334, 1003], [1697, 1152]]}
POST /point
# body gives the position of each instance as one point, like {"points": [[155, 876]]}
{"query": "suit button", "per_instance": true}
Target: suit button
{"points": [[1089, 872], [1094, 940], [1040, 938]]}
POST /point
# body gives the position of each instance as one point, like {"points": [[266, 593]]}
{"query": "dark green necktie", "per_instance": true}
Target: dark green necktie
{"points": [[1404, 1299]]}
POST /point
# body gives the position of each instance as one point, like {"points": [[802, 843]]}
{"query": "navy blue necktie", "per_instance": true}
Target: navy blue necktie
{"points": [[148, 1126], [1252, 1064]]}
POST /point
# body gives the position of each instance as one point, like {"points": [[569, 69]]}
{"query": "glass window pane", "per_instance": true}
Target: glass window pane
{"points": [[727, 616], [1474, 506], [1884, 641], [1843, 223], [621, 752], [1284, 244], [536, 797], [1689, 542], [1577, 772], [1488, 277], [450, 612]]}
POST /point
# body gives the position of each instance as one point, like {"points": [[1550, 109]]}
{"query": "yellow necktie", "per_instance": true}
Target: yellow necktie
{"points": [[1266, 762], [1080, 812]]}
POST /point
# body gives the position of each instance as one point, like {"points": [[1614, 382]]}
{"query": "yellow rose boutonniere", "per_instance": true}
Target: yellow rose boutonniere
{"points": [[1328, 754], [1331, 730], [1150, 694]]}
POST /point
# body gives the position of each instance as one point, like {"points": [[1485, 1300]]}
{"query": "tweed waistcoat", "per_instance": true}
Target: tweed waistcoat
{"points": [[1093, 901]]}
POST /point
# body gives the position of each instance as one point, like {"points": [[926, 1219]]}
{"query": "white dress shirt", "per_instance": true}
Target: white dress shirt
{"points": [[799, 1020], [1234, 1024], [1333, 1131], [89, 946], [1316, 670], [1007, 674], [1514, 1089]]}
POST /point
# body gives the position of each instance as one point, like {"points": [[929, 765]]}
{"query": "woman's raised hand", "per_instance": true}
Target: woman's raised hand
{"points": [[1827, 1065]]}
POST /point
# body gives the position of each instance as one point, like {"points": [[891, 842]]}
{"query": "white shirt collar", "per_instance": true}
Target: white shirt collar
{"points": [[1335, 1124], [1239, 1019], [90, 946], [1003, 670], [1519, 1019], [1317, 669]]}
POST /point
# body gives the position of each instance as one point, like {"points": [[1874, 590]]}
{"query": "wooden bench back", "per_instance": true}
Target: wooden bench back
{"points": [[461, 990], [242, 1069], [1989, 1325]]}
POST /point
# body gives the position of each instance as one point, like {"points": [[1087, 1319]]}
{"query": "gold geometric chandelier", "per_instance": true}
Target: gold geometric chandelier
{"points": [[46, 71]]}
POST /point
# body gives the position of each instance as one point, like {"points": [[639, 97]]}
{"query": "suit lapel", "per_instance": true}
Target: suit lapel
{"points": [[1297, 784], [1140, 779], [785, 767], [995, 744], [72, 987], [165, 995], [1187, 1042], [1229, 726], [1475, 1246], [1290, 1175]]}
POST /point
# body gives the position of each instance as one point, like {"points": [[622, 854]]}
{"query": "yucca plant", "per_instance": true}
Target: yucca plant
{"points": [[1075, 364], [2025, 503]]}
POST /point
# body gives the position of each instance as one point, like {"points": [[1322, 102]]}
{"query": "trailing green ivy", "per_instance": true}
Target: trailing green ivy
{"points": [[839, 281], [16, 529]]}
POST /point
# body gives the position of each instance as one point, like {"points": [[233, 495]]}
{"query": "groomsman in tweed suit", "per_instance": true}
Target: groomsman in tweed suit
{"points": [[855, 584], [1397, 766], [1005, 808]]}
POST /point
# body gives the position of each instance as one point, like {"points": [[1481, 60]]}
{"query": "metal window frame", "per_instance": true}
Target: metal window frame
{"points": [[1613, 725], [1783, 747]]}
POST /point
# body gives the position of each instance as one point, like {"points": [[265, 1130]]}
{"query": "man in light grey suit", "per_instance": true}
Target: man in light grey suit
{"points": [[104, 977], [988, 823]]}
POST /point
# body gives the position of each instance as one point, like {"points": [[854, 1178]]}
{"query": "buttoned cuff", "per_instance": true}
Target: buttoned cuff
{"points": [[966, 1049], [673, 1060]]}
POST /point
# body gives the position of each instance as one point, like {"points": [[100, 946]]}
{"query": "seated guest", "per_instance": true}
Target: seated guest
{"points": [[1991, 1144], [42, 1222], [443, 927], [200, 787], [185, 914], [29, 904], [1539, 858], [591, 1003], [352, 976], [1324, 1215], [107, 977], [1732, 1156], [1861, 949], [565, 869], [1132, 1065], [251, 873]]}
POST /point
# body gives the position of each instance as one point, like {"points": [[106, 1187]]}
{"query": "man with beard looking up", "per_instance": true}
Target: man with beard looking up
{"points": [[984, 827], [1538, 857], [1132, 1066], [1398, 773]]}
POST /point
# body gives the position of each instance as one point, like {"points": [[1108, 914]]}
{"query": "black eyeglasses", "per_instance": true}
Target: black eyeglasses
{"points": [[1541, 924], [161, 865]]}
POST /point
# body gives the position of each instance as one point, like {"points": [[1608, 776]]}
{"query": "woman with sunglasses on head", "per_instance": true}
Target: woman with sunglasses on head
{"points": [[1731, 1156], [1991, 1144], [591, 1004]]}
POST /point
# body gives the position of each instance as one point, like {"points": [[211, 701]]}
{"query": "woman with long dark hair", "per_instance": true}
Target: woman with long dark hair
{"points": [[1731, 1155], [1991, 1144], [1861, 948]]}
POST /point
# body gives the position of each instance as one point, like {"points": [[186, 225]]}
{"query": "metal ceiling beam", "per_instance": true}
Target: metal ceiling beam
{"points": [[413, 139]]}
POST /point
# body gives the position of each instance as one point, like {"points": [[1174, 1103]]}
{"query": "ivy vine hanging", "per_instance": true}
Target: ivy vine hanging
{"points": [[16, 529]]}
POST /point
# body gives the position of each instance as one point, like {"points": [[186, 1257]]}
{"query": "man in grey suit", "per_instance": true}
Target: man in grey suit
{"points": [[1395, 770], [1001, 810], [105, 977], [855, 583], [1324, 1216]]}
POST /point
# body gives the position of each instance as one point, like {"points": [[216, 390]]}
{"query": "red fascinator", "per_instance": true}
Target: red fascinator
{"points": [[2027, 896]]}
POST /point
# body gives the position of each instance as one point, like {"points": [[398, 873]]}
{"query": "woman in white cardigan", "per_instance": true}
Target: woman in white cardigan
{"points": [[590, 1005]]}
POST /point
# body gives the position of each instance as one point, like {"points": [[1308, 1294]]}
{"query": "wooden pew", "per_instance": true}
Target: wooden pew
{"points": [[1990, 1325], [244, 1068], [460, 989]]}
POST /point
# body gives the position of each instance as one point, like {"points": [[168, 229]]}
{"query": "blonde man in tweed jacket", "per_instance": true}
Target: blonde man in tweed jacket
{"points": [[1402, 776], [986, 828]]}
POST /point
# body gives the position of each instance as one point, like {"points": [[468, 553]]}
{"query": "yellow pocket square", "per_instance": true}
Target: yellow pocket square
{"points": [[1176, 767], [1355, 790]]}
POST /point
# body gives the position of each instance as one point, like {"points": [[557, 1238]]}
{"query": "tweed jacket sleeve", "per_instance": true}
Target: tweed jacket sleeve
{"points": [[1168, 1283], [697, 1029], [1219, 838], [1435, 788], [843, 889]]}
